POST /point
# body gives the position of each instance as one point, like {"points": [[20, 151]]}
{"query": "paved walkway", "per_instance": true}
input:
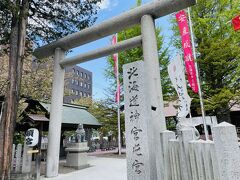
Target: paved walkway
{"points": [[101, 168]]}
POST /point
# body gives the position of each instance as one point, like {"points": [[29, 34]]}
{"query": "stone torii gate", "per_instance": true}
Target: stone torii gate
{"points": [[144, 15]]}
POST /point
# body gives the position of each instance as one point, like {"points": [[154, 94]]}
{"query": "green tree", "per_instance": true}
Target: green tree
{"points": [[20, 23], [136, 54], [217, 47], [84, 101], [106, 112], [37, 79]]}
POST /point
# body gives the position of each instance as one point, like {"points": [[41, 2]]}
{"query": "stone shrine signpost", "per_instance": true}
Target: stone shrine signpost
{"points": [[139, 164]]}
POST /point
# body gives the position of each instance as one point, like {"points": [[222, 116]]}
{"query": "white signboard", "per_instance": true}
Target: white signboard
{"points": [[177, 76], [32, 137], [136, 125]]}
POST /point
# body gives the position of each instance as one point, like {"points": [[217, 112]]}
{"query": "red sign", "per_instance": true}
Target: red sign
{"points": [[115, 58], [187, 49], [236, 23]]}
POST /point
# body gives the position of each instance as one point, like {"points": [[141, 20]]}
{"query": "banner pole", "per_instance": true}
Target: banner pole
{"points": [[118, 104], [198, 78]]}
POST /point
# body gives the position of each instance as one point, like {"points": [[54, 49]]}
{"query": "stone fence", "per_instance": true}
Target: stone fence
{"points": [[21, 159], [189, 159]]}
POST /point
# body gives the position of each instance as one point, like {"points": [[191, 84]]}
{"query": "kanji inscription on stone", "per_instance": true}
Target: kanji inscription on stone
{"points": [[138, 162]]}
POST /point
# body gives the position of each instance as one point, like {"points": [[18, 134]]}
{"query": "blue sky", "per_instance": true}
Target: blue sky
{"points": [[111, 8]]}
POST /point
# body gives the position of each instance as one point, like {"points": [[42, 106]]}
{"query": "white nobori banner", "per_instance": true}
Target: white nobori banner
{"points": [[177, 76]]}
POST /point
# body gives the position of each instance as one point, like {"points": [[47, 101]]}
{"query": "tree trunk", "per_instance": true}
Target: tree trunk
{"points": [[7, 125], [9, 112]]}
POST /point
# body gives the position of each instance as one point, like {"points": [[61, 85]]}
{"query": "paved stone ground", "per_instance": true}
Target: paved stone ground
{"points": [[103, 166]]}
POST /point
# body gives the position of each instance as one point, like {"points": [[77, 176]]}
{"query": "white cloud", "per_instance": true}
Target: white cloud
{"points": [[107, 4]]}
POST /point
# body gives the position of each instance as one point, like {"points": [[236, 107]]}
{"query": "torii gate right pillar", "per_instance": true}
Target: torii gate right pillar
{"points": [[153, 89]]}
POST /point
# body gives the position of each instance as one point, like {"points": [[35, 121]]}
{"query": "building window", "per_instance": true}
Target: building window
{"points": [[73, 91], [77, 72], [81, 93], [88, 76], [73, 70], [81, 74], [77, 92], [85, 75], [77, 82], [84, 94], [81, 83], [88, 86], [85, 85], [72, 81]]}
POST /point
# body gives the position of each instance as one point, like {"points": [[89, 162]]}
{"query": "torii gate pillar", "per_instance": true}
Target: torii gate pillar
{"points": [[55, 115], [153, 89]]}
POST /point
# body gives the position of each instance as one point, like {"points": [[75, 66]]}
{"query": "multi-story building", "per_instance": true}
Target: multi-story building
{"points": [[78, 83]]}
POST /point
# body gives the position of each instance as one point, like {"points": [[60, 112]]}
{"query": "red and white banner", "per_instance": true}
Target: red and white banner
{"points": [[181, 17], [115, 58], [177, 77], [236, 23]]}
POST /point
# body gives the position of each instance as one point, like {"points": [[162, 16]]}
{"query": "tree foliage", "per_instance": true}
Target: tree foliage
{"points": [[84, 101], [3, 74], [48, 20], [37, 79], [217, 47], [105, 111], [136, 54]]}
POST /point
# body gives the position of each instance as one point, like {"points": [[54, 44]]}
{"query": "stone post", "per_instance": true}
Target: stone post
{"points": [[13, 154], [153, 89], [174, 159], [18, 158], [227, 151], [55, 116], [187, 135], [140, 160], [165, 137], [27, 159]]}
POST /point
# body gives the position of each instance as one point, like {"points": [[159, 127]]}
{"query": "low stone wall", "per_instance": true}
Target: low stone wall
{"points": [[189, 159]]}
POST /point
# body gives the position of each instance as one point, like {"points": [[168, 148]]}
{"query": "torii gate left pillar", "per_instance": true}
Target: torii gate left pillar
{"points": [[55, 123]]}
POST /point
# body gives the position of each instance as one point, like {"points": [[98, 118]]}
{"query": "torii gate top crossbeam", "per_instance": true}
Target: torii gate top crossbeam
{"points": [[156, 9]]}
